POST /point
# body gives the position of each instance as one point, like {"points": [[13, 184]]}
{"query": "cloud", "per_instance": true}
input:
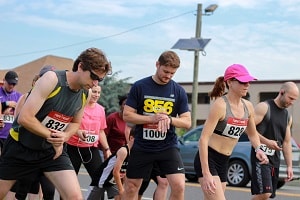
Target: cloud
{"points": [[260, 34]]}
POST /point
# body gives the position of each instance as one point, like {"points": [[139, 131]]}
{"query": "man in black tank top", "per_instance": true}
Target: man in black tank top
{"points": [[50, 115], [274, 125]]}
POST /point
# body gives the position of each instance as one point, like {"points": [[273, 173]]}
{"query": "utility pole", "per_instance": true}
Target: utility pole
{"points": [[196, 44], [196, 68]]}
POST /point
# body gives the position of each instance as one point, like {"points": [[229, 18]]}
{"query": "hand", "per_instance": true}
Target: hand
{"points": [[208, 184], [262, 157], [8, 111], [106, 154], [58, 151], [272, 144], [163, 125], [289, 173], [57, 138], [11, 104], [82, 134], [121, 191]]}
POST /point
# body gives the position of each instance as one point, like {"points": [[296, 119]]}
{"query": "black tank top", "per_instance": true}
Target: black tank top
{"points": [[273, 126], [56, 113]]}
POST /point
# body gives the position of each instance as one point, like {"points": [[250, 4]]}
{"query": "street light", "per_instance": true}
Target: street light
{"points": [[196, 44]]}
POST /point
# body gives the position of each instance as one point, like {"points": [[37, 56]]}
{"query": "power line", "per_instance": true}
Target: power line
{"points": [[97, 39]]}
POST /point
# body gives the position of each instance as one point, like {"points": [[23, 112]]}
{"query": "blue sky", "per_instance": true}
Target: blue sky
{"points": [[263, 35]]}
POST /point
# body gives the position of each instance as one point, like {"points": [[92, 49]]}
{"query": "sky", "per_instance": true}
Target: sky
{"points": [[262, 35]]}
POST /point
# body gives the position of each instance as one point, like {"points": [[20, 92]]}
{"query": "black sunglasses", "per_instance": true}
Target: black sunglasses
{"points": [[240, 82], [95, 77], [11, 83]]}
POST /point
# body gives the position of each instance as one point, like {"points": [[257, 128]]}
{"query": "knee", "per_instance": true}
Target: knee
{"points": [[131, 187], [163, 183], [178, 187]]}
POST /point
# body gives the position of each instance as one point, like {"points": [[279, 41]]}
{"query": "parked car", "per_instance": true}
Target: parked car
{"points": [[239, 169]]}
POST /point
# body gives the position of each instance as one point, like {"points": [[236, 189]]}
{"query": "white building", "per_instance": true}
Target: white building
{"points": [[258, 91]]}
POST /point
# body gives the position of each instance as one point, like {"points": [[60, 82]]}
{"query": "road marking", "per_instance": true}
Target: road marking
{"points": [[248, 190]]}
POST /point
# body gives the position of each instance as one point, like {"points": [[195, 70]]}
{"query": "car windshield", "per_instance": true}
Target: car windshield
{"points": [[193, 136]]}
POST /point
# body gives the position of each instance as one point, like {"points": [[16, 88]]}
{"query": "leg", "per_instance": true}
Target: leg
{"points": [[261, 181], [47, 188], [177, 184], [96, 194], [131, 187], [219, 192], [161, 190], [95, 161], [62, 179], [143, 188], [5, 186], [74, 157]]}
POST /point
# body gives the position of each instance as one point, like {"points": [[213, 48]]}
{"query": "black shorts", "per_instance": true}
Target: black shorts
{"points": [[217, 163], [2, 141], [154, 173], [140, 164], [23, 187], [264, 179], [18, 162]]}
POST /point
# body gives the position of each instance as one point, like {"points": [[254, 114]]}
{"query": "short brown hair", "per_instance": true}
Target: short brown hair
{"points": [[169, 58], [93, 59]]}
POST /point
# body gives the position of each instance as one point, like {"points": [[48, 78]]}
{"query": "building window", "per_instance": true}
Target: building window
{"points": [[267, 95], [247, 96], [203, 98]]}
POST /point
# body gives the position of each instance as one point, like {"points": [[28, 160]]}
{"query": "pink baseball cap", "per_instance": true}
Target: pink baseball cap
{"points": [[238, 72]]}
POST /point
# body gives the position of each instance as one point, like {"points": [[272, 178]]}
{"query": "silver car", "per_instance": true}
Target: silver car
{"points": [[239, 170]]}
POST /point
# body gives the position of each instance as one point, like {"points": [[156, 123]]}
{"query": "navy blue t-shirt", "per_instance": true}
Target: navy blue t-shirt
{"points": [[148, 98]]}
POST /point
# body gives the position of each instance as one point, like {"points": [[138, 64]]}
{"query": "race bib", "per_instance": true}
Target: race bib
{"points": [[268, 151], [235, 127], [8, 119], [56, 121], [150, 132], [91, 138]]}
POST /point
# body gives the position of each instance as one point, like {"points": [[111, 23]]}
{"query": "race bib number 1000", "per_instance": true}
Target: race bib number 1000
{"points": [[150, 132]]}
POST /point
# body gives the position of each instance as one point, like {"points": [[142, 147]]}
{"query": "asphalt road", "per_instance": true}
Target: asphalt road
{"points": [[290, 191]]}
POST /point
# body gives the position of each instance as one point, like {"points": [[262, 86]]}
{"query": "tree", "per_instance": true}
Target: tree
{"points": [[112, 88]]}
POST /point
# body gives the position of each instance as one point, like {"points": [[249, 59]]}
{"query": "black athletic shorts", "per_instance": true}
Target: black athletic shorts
{"points": [[217, 163], [18, 162], [264, 179], [140, 164], [154, 173]]}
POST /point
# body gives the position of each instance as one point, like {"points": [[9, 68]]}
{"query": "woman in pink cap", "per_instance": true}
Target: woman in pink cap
{"points": [[228, 118]]}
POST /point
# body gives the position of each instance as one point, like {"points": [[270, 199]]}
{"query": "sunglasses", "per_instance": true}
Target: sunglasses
{"points": [[240, 82], [11, 83], [95, 77]]}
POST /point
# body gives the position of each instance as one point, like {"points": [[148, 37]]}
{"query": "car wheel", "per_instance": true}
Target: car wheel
{"points": [[280, 184], [238, 174], [191, 177]]}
